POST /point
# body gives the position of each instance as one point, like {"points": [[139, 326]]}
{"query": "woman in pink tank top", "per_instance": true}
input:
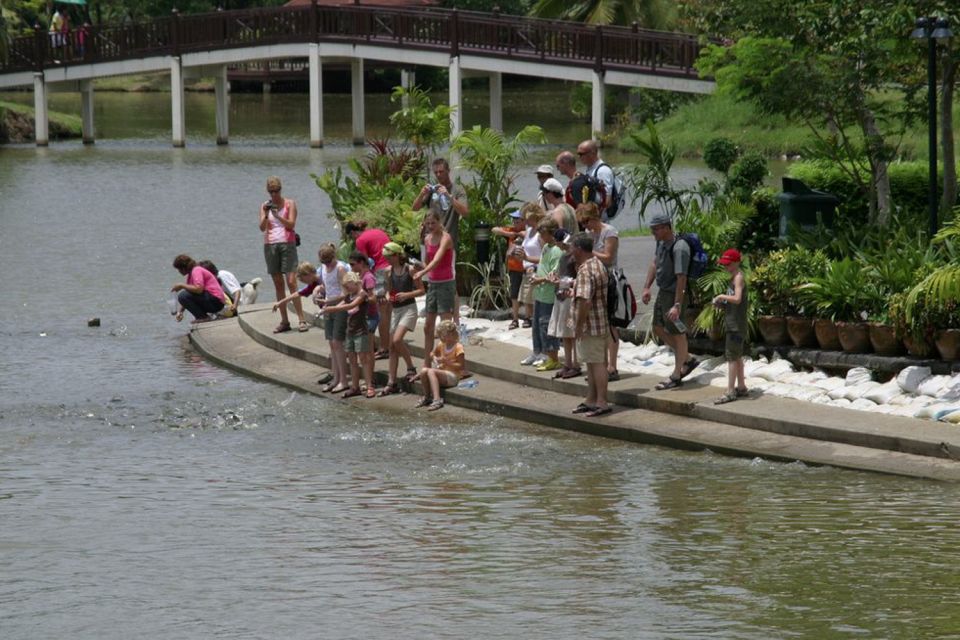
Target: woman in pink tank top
{"points": [[278, 217], [442, 288]]}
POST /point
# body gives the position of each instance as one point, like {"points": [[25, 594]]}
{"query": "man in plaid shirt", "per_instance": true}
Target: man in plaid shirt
{"points": [[592, 327]]}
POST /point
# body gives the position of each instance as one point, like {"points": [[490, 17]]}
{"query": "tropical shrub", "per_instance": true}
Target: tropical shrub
{"points": [[745, 175], [843, 293], [774, 281], [720, 153]]}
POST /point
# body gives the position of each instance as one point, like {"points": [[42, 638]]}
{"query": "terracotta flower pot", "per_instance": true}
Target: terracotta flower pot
{"points": [[854, 336], [884, 340], [918, 348], [826, 332], [948, 344], [774, 330], [801, 331]]}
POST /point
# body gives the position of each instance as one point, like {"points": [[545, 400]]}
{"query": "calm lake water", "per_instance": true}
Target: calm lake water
{"points": [[147, 493]]}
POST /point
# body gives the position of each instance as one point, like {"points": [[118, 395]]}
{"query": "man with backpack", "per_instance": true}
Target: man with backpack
{"points": [[670, 269]]}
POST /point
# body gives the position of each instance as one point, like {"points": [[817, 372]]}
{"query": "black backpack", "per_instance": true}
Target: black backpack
{"points": [[621, 303], [583, 188]]}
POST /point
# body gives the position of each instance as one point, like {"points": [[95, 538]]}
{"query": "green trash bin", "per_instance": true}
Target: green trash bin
{"points": [[800, 205]]}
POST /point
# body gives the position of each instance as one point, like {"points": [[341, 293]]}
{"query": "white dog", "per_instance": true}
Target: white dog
{"points": [[248, 294]]}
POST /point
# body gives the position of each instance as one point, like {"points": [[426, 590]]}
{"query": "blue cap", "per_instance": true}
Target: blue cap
{"points": [[516, 214]]}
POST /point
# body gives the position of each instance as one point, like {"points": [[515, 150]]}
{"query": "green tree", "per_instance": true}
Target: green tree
{"points": [[649, 14]]}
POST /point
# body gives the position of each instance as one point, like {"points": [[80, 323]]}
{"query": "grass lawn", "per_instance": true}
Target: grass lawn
{"points": [[62, 125]]}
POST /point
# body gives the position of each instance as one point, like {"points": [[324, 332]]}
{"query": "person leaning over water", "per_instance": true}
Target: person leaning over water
{"points": [[278, 218], [669, 268], [201, 294]]}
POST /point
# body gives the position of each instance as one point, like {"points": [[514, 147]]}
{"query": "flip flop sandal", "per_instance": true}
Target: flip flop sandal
{"points": [[669, 383], [389, 390], [730, 396], [584, 408], [371, 393], [412, 373], [513, 325], [328, 387], [688, 367], [383, 354], [599, 412], [572, 373], [526, 324], [351, 393], [613, 376], [743, 393], [283, 327], [436, 404], [423, 403], [304, 327], [339, 389]]}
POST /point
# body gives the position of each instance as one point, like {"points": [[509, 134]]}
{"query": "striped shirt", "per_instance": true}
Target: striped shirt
{"points": [[591, 285]]}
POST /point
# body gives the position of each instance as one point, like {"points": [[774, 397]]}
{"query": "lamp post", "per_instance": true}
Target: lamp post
{"points": [[932, 29]]}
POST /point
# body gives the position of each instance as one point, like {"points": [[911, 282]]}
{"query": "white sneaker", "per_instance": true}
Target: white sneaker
{"points": [[531, 359], [541, 359]]}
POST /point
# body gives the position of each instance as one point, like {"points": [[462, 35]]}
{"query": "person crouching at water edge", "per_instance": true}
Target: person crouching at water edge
{"points": [[359, 344], [448, 365], [201, 294]]}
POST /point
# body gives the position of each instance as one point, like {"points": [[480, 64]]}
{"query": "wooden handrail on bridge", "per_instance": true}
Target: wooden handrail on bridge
{"points": [[425, 28]]}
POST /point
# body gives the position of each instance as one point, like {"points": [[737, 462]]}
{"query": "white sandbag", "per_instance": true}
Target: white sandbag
{"points": [[838, 393], [910, 378], [774, 370], [709, 364], [857, 375], [829, 384], [821, 399], [857, 391], [884, 393], [953, 417], [753, 365], [950, 389], [931, 410], [932, 386], [862, 404], [843, 403]]}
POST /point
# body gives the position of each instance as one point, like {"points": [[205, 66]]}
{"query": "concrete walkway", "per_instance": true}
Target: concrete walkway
{"points": [[764, 426]]}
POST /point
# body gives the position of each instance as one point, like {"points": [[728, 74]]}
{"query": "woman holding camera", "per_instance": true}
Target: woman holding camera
{"points": [[278, 217]]}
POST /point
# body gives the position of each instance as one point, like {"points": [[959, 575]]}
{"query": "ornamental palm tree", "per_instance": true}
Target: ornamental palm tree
{"points": [[649, 14]]}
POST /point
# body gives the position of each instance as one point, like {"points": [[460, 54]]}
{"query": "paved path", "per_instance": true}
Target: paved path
{"points": [[765, 426]]}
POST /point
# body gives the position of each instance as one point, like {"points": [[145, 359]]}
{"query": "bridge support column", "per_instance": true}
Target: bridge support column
{"points": [[456, 98], [86, 111], [41, 125], [221, 89], [316, 96], [407, 79], [356, 85], [496, 101], [178, 114], [599, 91]]}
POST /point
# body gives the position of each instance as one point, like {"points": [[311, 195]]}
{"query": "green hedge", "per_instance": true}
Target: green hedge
{"points": [[908, 186]]}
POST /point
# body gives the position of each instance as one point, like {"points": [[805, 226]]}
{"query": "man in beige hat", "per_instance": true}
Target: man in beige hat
{"points": [[544, 173]]}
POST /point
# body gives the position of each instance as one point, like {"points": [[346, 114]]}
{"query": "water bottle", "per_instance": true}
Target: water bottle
{"points": [[469, 383], [462, 329], [680, 325]]}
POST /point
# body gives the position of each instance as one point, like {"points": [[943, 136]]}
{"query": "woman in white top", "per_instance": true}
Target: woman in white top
{"points": [[334, 323], [606, 244]]}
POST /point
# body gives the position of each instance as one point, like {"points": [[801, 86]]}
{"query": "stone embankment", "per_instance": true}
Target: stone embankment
{"points": [[17, 124], [763, 425]]}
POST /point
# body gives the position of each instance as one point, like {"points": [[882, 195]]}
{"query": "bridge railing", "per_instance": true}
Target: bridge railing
{"points": [[427, 28]]}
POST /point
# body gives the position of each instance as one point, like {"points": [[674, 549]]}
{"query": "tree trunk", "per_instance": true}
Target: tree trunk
{"points": [[877, 155], [949, 198]]}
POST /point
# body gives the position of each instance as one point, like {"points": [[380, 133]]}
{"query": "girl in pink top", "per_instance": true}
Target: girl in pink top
{"points": [[442, 290], [278, 217], [370, 242], [201, 294]]}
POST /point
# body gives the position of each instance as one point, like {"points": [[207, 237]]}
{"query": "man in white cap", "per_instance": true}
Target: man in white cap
{"points": [[552, 193], [544, 173]]}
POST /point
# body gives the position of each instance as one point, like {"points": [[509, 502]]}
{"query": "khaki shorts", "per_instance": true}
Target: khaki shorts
{"points": [[335, 326], [735, 346], [357, 344], [662, 306], [280, 257], [592, 349], [441, 296], [405, 316], [526, 289]]}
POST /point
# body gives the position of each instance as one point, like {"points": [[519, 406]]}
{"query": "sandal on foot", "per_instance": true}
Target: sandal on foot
{"points": [[669, 383], [572, 373], [389, 390], [304, 327], [339, 389], [688, 367], [327, 388], [584, 408], [526, 324], [729, 396], [436, 404], [743, 393], [513, 325], [283, 327], [422, 403], [599, 411], [613, 376], [352, 393], [412, 374], [383, 354], [371, 392]]}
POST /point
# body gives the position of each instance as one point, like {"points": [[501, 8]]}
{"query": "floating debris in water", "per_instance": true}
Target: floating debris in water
{"points": [[93, 322], [43, 334], [284, 403]]}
